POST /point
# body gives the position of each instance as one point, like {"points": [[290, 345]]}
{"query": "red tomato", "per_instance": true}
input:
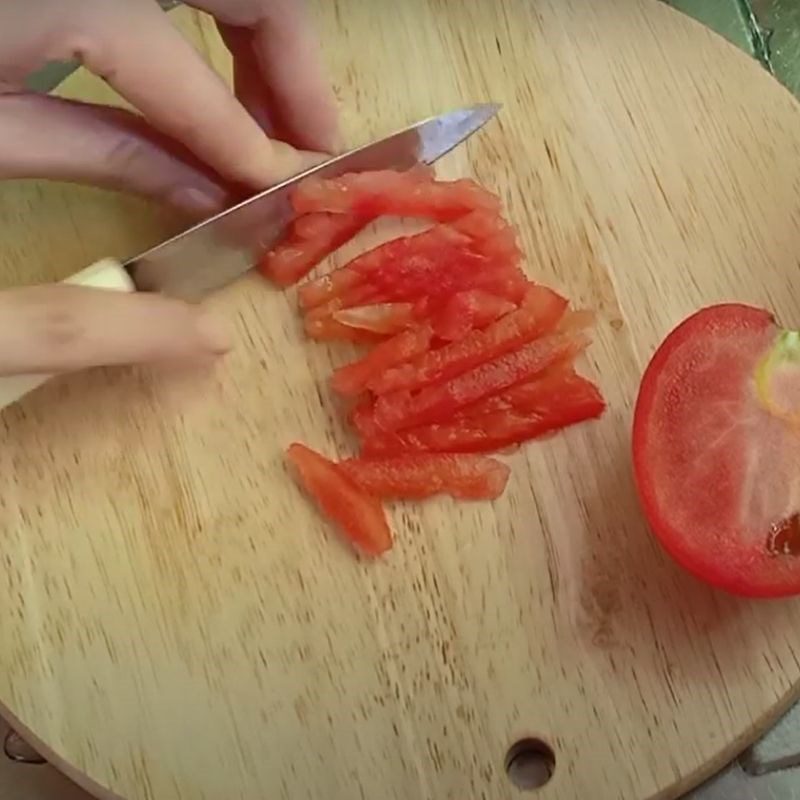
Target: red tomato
{"points": [[570, 401], [468, 477], [715, 458], [359, 515], [309, 239], [438, 402], [384, 318], [353, 378], [540, 313], [468, 310], [404, 194]]}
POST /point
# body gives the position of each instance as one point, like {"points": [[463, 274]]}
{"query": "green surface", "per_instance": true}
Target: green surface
{"points": [[767, 29]]}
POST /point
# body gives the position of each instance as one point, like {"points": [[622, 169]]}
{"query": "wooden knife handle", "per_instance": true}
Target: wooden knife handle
{"points": [[107, 273]]}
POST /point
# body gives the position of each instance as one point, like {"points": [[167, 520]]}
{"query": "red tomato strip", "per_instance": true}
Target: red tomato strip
{"points": [[352, 379], [384, 318], [417, 476], [576, 400], [391, 193], [469, 310], [531, 396], [359, 515], [541, 312], [308, 240], [437, 403]]}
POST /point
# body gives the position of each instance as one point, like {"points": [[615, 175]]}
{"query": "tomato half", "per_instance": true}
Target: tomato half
{"points": [[716, 449]]}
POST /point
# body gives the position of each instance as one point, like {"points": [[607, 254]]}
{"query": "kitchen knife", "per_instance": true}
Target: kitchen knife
{"points": [[215, 252]]}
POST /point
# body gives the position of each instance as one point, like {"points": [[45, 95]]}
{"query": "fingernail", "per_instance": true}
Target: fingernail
{"points": [[213, 332], [196, 202]]}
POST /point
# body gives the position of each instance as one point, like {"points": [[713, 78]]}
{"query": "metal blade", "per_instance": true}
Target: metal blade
{"points": [[220, 249]]}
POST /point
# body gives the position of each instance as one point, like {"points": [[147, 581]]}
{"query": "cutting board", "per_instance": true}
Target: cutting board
{"points": [[179, 623]]}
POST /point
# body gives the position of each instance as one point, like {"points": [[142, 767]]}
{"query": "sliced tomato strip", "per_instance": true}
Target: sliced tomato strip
{"points": [[358, 514], [541, 312], [352, 379], [576, 400], [327, 287], [327, 329], [437, 403], [384, 318], [531, 396], [418, 476], [382, 193], [308, 241], [469, 310]]}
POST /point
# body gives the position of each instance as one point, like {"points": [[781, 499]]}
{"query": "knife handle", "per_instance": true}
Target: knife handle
{"points": [[108, 273]]}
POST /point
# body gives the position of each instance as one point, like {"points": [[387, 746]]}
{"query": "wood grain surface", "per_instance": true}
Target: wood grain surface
{"points": [[177, 621]]}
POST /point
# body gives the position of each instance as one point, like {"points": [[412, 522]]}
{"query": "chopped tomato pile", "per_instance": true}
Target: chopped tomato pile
{"points": [[464, 354]]}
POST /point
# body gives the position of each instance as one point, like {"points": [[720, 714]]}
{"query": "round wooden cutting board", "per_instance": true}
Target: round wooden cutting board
{"points": [[178, 622]]}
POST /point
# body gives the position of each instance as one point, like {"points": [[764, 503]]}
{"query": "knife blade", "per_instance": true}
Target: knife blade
{"points": [[218, 250]]}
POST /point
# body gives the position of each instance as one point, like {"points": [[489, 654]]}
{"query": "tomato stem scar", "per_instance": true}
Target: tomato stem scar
{"points": [[785, 350]]}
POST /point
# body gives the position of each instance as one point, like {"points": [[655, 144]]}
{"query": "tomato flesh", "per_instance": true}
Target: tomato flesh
{"points": [[308, 241], [437, 403], [569, 402], [353, 378], [539, 314], [718, 474], [389, 193], [417, 476], [359, 515]]}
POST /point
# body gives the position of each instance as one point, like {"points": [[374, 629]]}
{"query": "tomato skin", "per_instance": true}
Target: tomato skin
{"points": [[679, 383], [418, 476], [359, 515], [308, 241]]}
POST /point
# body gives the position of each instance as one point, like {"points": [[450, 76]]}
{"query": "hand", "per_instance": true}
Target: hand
{"points": [[192, 142]]}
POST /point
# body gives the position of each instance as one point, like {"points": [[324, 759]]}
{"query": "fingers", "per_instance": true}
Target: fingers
{"points": [[134, 47], [50, 329], [46, 137], [279, 52]]}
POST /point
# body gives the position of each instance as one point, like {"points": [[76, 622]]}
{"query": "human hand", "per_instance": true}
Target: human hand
{"points": [[193, 141]]}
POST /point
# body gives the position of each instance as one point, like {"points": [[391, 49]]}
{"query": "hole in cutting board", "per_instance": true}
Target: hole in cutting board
{"points": [[530, 763]]}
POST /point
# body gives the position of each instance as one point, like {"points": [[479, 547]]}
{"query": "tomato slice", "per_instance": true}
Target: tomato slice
{"points": [[385, 318], [437, 403], [353, 378], [569, 402], [405, 194], [327, 329], [308, 241], [540, 313], [358, 514], [716, 458], [469, 310], [417, 476], [535, 396]]}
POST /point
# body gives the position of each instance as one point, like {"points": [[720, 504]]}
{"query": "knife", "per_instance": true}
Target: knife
{"points": [[215, 252]]}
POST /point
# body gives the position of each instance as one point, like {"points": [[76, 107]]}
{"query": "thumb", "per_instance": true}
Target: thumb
{"points": [[51, 329]]}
